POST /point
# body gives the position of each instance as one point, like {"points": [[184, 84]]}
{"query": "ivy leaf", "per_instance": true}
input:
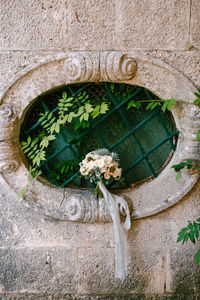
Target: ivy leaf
{"points": [[22, 192], [198, 135], [168, 105], [96, 111], [103, 108], [80, 111], [134, 103], [77, 126], [86, 116], [52, 129], [180, 166], [57, 127], [197, 102], [51, 137], [191, 236], [196, 231], [64, 95], [29, 140], [178, 176], [112, 87], [181, 234], [185, 238], [197, 256], [25, 146], [69, 99], [197, 94], [152, 105], [88, 108], [44, 143]]}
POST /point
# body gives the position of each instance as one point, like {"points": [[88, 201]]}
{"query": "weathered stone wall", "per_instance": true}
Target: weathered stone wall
{"points": [[44, 258]]}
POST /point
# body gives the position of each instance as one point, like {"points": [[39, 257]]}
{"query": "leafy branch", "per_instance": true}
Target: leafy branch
{"points": [[191, 232], [32, 174]]}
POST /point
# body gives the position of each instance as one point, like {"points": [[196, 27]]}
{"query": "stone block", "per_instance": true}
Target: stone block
{"points": [[187, 62], [128, 25], [97, 271], [38, 269], [6, 231], [45, 296], [32, 24], [13, 62], [91, 24], [183, 271], [195, 25], [37, 231]]}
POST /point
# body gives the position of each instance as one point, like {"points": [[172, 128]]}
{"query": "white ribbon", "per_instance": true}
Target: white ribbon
{"points": [[116, 203]]}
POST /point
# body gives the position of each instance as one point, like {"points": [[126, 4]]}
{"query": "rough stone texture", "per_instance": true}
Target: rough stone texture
{"points": [[73, 67], [195, 26], [33, 24], [31, 296], [122, 25], [152, 24], [38, 269], [187, 62]]}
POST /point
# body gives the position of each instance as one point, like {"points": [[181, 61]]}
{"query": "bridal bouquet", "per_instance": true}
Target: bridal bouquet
{"points": [[102, 166]]}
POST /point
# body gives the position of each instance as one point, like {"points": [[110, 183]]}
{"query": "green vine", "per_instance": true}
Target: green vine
{"points": [[77, 113]]}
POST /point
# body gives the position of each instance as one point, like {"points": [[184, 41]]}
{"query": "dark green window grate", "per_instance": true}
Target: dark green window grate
{"points": [[144, 140]]}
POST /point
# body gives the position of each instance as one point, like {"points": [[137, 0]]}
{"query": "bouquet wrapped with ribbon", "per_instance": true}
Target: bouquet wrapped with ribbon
{"points": [[100, 167]]}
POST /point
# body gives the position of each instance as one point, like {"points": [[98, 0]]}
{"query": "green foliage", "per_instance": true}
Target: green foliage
{"points": [[197, 101], [32, 174], [33, 150], [197, 256], [168, 104], [185, 164], [61, 169], [198, 135], [152, 105], [134, 104], [190, 232]]}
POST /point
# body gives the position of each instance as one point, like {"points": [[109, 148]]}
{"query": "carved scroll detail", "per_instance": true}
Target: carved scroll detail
{"points": [[117, 66], [8, 118], [7, 114], [8, 157], [82, 66], [82, 209], [8, 150]]}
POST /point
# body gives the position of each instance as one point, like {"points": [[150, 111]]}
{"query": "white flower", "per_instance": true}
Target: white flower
{"points": [[83, 171], [99, 163], [107, 159]]}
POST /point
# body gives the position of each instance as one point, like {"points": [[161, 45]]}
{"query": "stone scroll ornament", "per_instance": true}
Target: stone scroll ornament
{"points": [[9, 161], [101, 167]]}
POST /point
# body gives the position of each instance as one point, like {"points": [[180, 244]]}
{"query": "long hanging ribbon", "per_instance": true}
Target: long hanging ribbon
{"points": [[115, 202]]}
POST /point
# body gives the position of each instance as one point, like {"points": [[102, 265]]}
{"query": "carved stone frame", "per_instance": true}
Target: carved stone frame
{"points": [[110, 66]]}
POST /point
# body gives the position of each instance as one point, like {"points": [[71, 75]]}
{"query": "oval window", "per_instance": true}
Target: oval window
{"points": [[63, 125]]}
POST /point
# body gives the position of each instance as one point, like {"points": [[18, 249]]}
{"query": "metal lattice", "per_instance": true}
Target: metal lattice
{"points": [[143, 139]]}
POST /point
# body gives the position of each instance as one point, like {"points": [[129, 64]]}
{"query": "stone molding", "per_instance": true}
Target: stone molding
{"points": [[113, 66]]}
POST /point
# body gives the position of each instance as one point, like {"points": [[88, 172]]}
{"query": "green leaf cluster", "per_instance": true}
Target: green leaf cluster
{"points": [[197, 101], [185, 164], [32, 174], [33, 150], [191, 232]]}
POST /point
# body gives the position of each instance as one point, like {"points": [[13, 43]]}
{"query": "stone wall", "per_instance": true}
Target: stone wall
{"points": [[45, 258]]}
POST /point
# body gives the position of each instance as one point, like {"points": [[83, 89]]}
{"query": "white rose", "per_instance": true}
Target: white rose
{"points": [[83, 171], [99, 163], [107, 159]]}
